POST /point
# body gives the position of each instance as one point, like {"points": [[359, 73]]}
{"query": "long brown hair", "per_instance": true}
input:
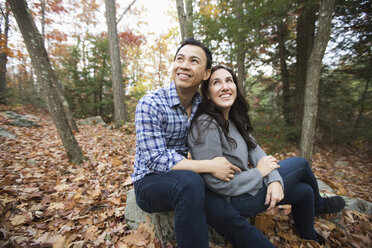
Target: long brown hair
{"points": [[238, 113]]}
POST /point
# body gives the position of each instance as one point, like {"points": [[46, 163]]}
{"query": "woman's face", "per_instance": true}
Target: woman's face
{"points": [[222, 90]]}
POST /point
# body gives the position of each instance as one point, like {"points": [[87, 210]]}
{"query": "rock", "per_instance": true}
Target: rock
{"points": [[134, 215], [94, 120], [359, 205], [5, 133], [12, 115], [323, 187], [162, 221], [342, 164], [21, 121], [32, 161]]}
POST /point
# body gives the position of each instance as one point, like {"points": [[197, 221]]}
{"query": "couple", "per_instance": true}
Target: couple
{"points": [[217, 187]]}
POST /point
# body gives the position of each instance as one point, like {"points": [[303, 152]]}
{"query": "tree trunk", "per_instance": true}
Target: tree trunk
{"points": [[117, 80], [305, 42], [282, 33], [4, 55], [42, 5], [240, 48], [185, 18], [189, 20], [362, 104], [313, 77], [46, 77]]}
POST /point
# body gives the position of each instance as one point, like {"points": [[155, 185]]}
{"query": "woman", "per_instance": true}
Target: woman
{"points": [[221, 127]]}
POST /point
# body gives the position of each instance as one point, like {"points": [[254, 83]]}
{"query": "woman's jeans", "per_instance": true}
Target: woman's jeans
{"points": [[300, 190], [194, 206]]}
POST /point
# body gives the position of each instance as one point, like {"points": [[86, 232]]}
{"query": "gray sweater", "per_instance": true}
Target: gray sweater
{"points": [[213, 143]]}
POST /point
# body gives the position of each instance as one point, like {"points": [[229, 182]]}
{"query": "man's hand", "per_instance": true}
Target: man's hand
{"points": [[267, 164], [222, 169], [274, 194]]}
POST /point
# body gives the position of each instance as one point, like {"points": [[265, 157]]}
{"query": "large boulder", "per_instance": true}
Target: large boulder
{"points": [[163, 222], [359, 205]]}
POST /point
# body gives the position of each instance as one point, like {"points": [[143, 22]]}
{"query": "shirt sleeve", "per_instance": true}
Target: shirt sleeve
{"points": [[255, 155], [151, 143], [209, 147]]}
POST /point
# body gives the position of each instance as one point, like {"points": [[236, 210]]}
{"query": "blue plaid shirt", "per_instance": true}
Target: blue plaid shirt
{"points": [[162, 125]]}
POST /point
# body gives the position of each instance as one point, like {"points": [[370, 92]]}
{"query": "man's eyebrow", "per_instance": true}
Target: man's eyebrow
{"points": [[193, 56]]}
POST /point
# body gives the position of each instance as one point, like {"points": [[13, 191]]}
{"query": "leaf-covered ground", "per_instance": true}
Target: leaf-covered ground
{"points": [[47, 202]]}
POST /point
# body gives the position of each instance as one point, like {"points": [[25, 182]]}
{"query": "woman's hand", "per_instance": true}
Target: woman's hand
{"points": [[274, 194], [267, 164], [223, 169]]}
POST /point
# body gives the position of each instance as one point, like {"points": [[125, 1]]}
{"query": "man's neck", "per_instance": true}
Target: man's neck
{"points": [[186, 96]]}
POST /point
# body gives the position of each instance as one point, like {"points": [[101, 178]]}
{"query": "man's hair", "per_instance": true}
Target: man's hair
{"points": [[194, 42]]}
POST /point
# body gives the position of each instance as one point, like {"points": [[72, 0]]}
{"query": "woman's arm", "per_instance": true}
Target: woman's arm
{"points": [[210, 147]]}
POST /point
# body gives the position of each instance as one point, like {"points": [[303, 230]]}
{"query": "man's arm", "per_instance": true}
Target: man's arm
{"points": [[151, 145], [218, 167]]}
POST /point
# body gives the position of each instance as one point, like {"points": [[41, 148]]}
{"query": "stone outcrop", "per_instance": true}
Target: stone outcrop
{"points": [[5, 133], [94, 120], [164, 222], [20, 120]]}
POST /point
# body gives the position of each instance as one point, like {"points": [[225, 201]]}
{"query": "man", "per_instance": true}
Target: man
{"points": [[164, 179]]}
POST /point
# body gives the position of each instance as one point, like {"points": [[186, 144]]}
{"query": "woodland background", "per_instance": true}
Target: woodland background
{"points": [[268, 43]]}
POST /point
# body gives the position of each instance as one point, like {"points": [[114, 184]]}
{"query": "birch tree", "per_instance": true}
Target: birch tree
{"points": [[47, 77], [117, 79], [313, 76]]}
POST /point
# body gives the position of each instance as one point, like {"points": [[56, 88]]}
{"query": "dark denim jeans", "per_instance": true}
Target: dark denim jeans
{"points": [[195, 206], [300, 191]]}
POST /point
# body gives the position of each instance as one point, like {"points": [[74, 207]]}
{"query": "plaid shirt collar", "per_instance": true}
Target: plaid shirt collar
{"points": [[175, 100]]}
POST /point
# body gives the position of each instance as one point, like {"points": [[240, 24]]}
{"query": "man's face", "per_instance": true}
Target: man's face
{"points": [[189, 67]]}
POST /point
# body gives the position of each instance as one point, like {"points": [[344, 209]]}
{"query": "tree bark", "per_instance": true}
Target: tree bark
{"points": [[117, 79], [42, 5], [362, 104], [313, 77], [4, 55], [282, 33], [185, 18], [305, 42], [46, 77], [240, 47], [189, 20]]}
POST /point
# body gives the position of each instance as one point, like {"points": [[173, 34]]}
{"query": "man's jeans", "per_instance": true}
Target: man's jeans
{"points": [[194, 206], [300, 190]]}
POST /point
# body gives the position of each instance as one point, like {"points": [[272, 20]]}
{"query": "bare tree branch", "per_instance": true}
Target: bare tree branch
{"points": [[125, 11]]}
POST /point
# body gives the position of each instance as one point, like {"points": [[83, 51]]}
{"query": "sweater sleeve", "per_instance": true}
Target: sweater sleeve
{"points": [[255, 155], [209, 146]]}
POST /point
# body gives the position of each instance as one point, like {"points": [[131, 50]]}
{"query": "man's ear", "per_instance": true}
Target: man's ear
{"points": [[207, 74]]}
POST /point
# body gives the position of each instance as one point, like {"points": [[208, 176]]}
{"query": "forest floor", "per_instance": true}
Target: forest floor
{"points": [[47, 202]]}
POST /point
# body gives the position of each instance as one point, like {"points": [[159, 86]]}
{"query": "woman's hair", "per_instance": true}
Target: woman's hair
{"points": [[238, 113]]}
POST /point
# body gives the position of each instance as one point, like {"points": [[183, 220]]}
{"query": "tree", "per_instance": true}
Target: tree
{"points": [[117, 80], [313, 76], [46, 77], [282, 37], [4, 50], [240, 46], [305, 42], [185, 18]]}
